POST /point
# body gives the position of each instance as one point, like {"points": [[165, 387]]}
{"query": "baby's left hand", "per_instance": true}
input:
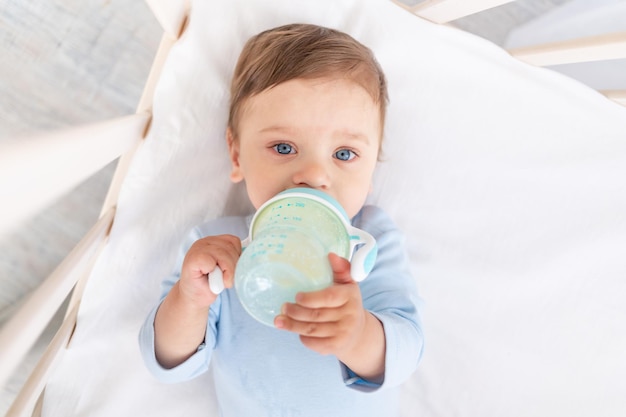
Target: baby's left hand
{"points": [[329, 321]]}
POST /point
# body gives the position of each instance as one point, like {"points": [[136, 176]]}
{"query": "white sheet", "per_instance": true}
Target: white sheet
{"points": [[510, 182]]}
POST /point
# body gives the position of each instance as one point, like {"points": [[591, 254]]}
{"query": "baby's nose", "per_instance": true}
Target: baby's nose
{"points": [[312, 174]]}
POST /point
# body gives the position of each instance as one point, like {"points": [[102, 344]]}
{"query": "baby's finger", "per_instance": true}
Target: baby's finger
{"points": [[232, 243], [224, 247], [219, 252], [304, 328], [198, 262], [300, 313], [341, 269], [332, 297]]}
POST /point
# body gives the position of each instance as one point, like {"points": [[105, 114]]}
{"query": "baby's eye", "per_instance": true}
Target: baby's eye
{"points": [[344, 155], [284, 148]]}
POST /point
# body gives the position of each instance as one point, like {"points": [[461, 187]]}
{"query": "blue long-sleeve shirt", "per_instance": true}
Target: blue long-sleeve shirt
{"points": [[262, 371]]}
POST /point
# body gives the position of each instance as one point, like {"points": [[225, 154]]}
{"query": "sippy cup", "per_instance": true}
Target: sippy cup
{"points": [[287, 249]]}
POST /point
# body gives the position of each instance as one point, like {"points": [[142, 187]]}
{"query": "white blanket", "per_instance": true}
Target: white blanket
{"points": [[509, 181]]}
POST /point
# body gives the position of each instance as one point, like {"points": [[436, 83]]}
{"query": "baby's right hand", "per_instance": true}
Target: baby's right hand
{"points": [[202, 258]]}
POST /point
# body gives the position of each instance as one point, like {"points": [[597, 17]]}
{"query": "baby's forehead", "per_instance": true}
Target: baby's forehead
{"points": [[353, 78], [248, 105], [376, 99]]}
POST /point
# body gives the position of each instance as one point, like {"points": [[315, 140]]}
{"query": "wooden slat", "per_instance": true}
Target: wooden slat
{"points": [[19, 334], [145, 105], [618, 96], [29, 396], [38, 409], [593, 48], [32, 390], [34, 172], [444, 11], [145, 102], [171, 15]]}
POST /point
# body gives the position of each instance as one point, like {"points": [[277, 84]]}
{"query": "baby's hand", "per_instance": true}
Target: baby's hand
{"points": [[201, 259], [329, 321]]}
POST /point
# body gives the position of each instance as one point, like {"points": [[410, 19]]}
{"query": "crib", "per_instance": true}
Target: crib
{"points": [[513, 199]]}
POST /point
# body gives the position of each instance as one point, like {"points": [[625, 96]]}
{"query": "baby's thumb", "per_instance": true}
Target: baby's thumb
{"points": [[341, 269]]}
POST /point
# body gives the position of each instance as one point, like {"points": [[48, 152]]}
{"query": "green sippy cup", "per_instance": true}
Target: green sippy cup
{"points": [[287, 251]]}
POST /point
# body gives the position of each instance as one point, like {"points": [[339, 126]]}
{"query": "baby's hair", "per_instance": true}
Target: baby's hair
{"points": [[303, 51]]}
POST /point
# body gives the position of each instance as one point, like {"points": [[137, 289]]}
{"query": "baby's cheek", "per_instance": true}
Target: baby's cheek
{"points": [[354, 203]]}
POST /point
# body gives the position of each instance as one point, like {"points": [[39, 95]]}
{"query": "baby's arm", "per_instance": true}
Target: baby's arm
{"points": [[181, 320], [389, 300]]}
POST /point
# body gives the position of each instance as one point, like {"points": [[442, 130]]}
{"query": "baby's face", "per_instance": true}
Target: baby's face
{"points": [[322, 134]]}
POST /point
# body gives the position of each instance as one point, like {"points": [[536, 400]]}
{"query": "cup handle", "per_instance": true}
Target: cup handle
{"points": [[361, 262], [363, 259], [216, 280]]}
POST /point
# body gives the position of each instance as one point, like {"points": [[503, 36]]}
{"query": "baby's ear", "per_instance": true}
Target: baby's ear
{"points": [[233, 150]]}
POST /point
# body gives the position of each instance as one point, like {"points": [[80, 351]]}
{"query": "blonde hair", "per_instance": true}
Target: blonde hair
{"points": [[303, 51]]}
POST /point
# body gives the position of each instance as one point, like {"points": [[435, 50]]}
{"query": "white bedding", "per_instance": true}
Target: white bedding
{"points": [[510, 182]]}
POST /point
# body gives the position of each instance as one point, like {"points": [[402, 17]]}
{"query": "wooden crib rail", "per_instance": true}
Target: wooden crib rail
{"points": [[593, 48], [83, 151], [444, 11], [171, 15], [618, 96], [21, 331], [36, 171], [30, 394], [145, 105], [96, 144]]}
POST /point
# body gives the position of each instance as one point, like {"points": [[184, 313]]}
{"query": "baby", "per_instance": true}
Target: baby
{"points": [[307, 110]]}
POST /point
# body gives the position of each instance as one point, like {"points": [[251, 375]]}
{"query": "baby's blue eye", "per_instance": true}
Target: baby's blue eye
{"points": [[344, 154], [284, 148]]}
